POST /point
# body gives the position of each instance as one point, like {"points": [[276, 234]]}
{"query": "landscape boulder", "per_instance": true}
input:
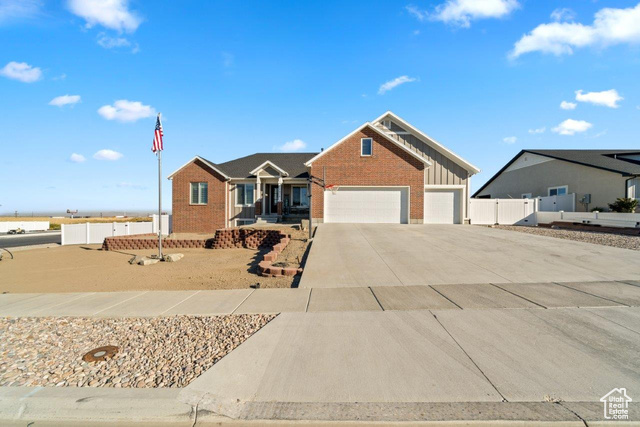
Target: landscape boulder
{"points": [[148, 261], [173, 257]]}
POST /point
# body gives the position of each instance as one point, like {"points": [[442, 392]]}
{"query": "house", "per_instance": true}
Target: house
{"points": [[384, 171], [598, 177]]}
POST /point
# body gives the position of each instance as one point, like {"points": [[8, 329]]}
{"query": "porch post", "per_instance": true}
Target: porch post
{"points": [[264, 205], [280, 196], [258, 201]]}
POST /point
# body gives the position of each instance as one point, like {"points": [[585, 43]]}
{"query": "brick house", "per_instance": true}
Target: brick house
{"points": [[385, 171]]}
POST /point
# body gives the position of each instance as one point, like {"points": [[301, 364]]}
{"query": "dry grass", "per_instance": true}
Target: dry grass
{"points": [[86, 268]]}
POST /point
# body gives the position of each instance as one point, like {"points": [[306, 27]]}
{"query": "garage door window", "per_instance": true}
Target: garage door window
{"points": [[366, 146]]}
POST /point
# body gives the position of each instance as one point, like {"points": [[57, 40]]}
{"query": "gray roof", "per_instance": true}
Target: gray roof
{"points": [[292, 163], [601, 159], [608, 160]]}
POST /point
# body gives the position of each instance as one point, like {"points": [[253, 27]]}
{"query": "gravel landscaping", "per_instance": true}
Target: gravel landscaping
{"points": [[607, 239], [153, 352]]}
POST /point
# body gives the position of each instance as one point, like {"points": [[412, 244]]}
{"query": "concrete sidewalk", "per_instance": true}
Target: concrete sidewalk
{"points": [[411, 357], [386, 298]]}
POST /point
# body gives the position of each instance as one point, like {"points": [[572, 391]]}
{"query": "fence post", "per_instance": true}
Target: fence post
{"points": [[88, 232], [126, 228], [61, 234], [496, 213], [561, 214]]}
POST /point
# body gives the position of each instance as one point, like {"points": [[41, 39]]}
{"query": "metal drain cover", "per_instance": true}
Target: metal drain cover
{"points": [[101, 353]]}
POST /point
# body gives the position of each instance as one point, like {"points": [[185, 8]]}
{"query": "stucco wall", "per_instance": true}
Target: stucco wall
{"points": [[603, 186]]}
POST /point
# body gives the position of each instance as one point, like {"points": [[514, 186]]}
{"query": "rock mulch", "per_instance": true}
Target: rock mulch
{"points": [[153, 352], [607, 239]]}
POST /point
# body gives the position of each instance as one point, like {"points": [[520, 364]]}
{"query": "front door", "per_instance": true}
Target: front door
{"points": [[273, 199]]}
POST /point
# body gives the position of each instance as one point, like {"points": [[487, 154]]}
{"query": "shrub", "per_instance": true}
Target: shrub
{"points": [[624, 204], [599, 209]]}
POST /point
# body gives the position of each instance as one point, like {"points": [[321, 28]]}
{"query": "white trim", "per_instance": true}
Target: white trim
{"points": [[235, 195], [407, 187], [203, 161], [273, 165], [566, 190], [463, 197], [379, 132], [427, 139], [362, 145], [191, 203]]}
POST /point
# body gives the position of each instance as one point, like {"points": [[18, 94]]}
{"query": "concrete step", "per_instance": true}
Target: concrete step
{"points": [[266, 220]]}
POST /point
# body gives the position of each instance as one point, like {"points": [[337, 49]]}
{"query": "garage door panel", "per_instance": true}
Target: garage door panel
{"points": [[442, 207], [366, 205]]}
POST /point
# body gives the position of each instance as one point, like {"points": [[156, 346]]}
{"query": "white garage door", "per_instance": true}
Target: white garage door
{"points": [[367, 205], [442, 207]]}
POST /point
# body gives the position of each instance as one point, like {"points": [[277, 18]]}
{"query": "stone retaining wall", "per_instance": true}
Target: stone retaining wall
{"points": [[227, 238]]}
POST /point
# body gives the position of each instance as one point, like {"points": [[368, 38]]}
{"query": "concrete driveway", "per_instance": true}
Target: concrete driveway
{"points": [[358, 255]]}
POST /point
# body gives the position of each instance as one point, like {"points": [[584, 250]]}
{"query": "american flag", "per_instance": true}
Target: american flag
{"points": [[157, 137]]}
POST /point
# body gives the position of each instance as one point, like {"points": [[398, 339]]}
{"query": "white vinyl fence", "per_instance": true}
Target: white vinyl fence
{"points": [[82, 234], [606, 219], [518, 211], [25, 225], [503, 211]]}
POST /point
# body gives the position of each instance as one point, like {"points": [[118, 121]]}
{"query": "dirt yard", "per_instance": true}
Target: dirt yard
{"points": [[86, 268]]}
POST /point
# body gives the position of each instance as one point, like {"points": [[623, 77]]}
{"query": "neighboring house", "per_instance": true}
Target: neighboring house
{"points": [[385, 171], [605, 175]]}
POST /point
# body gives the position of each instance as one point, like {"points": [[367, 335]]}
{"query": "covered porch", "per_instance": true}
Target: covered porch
{"points": [[279, 196]]}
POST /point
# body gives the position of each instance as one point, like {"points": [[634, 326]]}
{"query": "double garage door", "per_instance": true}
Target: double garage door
{"points": [[389, 205]]}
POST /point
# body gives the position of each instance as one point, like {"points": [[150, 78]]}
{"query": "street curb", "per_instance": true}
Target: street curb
{"points": [[73, 406]]}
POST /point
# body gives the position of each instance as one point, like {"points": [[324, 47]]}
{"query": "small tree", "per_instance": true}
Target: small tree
{"points": [[624, 204]]}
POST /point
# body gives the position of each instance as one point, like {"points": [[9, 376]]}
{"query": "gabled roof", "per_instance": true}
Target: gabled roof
{"points": [[379, 132], [272, 165], [211, 165], [609, 160], [428, 140], [292, 163]]}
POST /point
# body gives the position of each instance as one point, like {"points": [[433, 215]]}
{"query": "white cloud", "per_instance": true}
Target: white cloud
{"points": [[60, 77], [126, 111], [568, 105], [295, 145], [610, 26], [417, 13], [387, 86], [510, 140], [61, 101], [77, 158], [462, 12], [107, 155], [571, 127], [113, 14], [108, 42], [17, 9], [537, 131], [21, 71], [563, 14], [607, 98]]}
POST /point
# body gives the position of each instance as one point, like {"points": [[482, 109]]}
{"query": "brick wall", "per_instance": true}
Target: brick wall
{"points": [[189, 218], [389, 165]]}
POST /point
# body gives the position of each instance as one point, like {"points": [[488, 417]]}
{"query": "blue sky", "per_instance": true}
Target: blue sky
{"points": [[485, 78]]}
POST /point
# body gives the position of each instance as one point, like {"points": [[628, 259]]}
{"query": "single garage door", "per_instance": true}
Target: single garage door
{"points": [[367, 205], [442, 207]]}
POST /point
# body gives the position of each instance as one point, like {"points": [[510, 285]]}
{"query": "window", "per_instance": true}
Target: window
{"points": [[366, 146], [244, 221], [300, 196], [558, 191], [526, 195], [244, 194], [199, 193]]}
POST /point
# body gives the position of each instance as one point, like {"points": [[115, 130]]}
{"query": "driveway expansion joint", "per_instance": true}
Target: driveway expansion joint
{"points": [[519, 296]]}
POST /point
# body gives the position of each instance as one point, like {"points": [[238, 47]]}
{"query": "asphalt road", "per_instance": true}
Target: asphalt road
{"points": [[29, 239]]}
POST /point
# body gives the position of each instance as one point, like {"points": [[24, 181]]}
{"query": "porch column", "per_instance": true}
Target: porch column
{"points": [[258, 201], [264, 205], [280, 196]]}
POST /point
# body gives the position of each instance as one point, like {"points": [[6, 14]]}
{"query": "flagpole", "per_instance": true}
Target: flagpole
{"points": [[159, 201]]}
